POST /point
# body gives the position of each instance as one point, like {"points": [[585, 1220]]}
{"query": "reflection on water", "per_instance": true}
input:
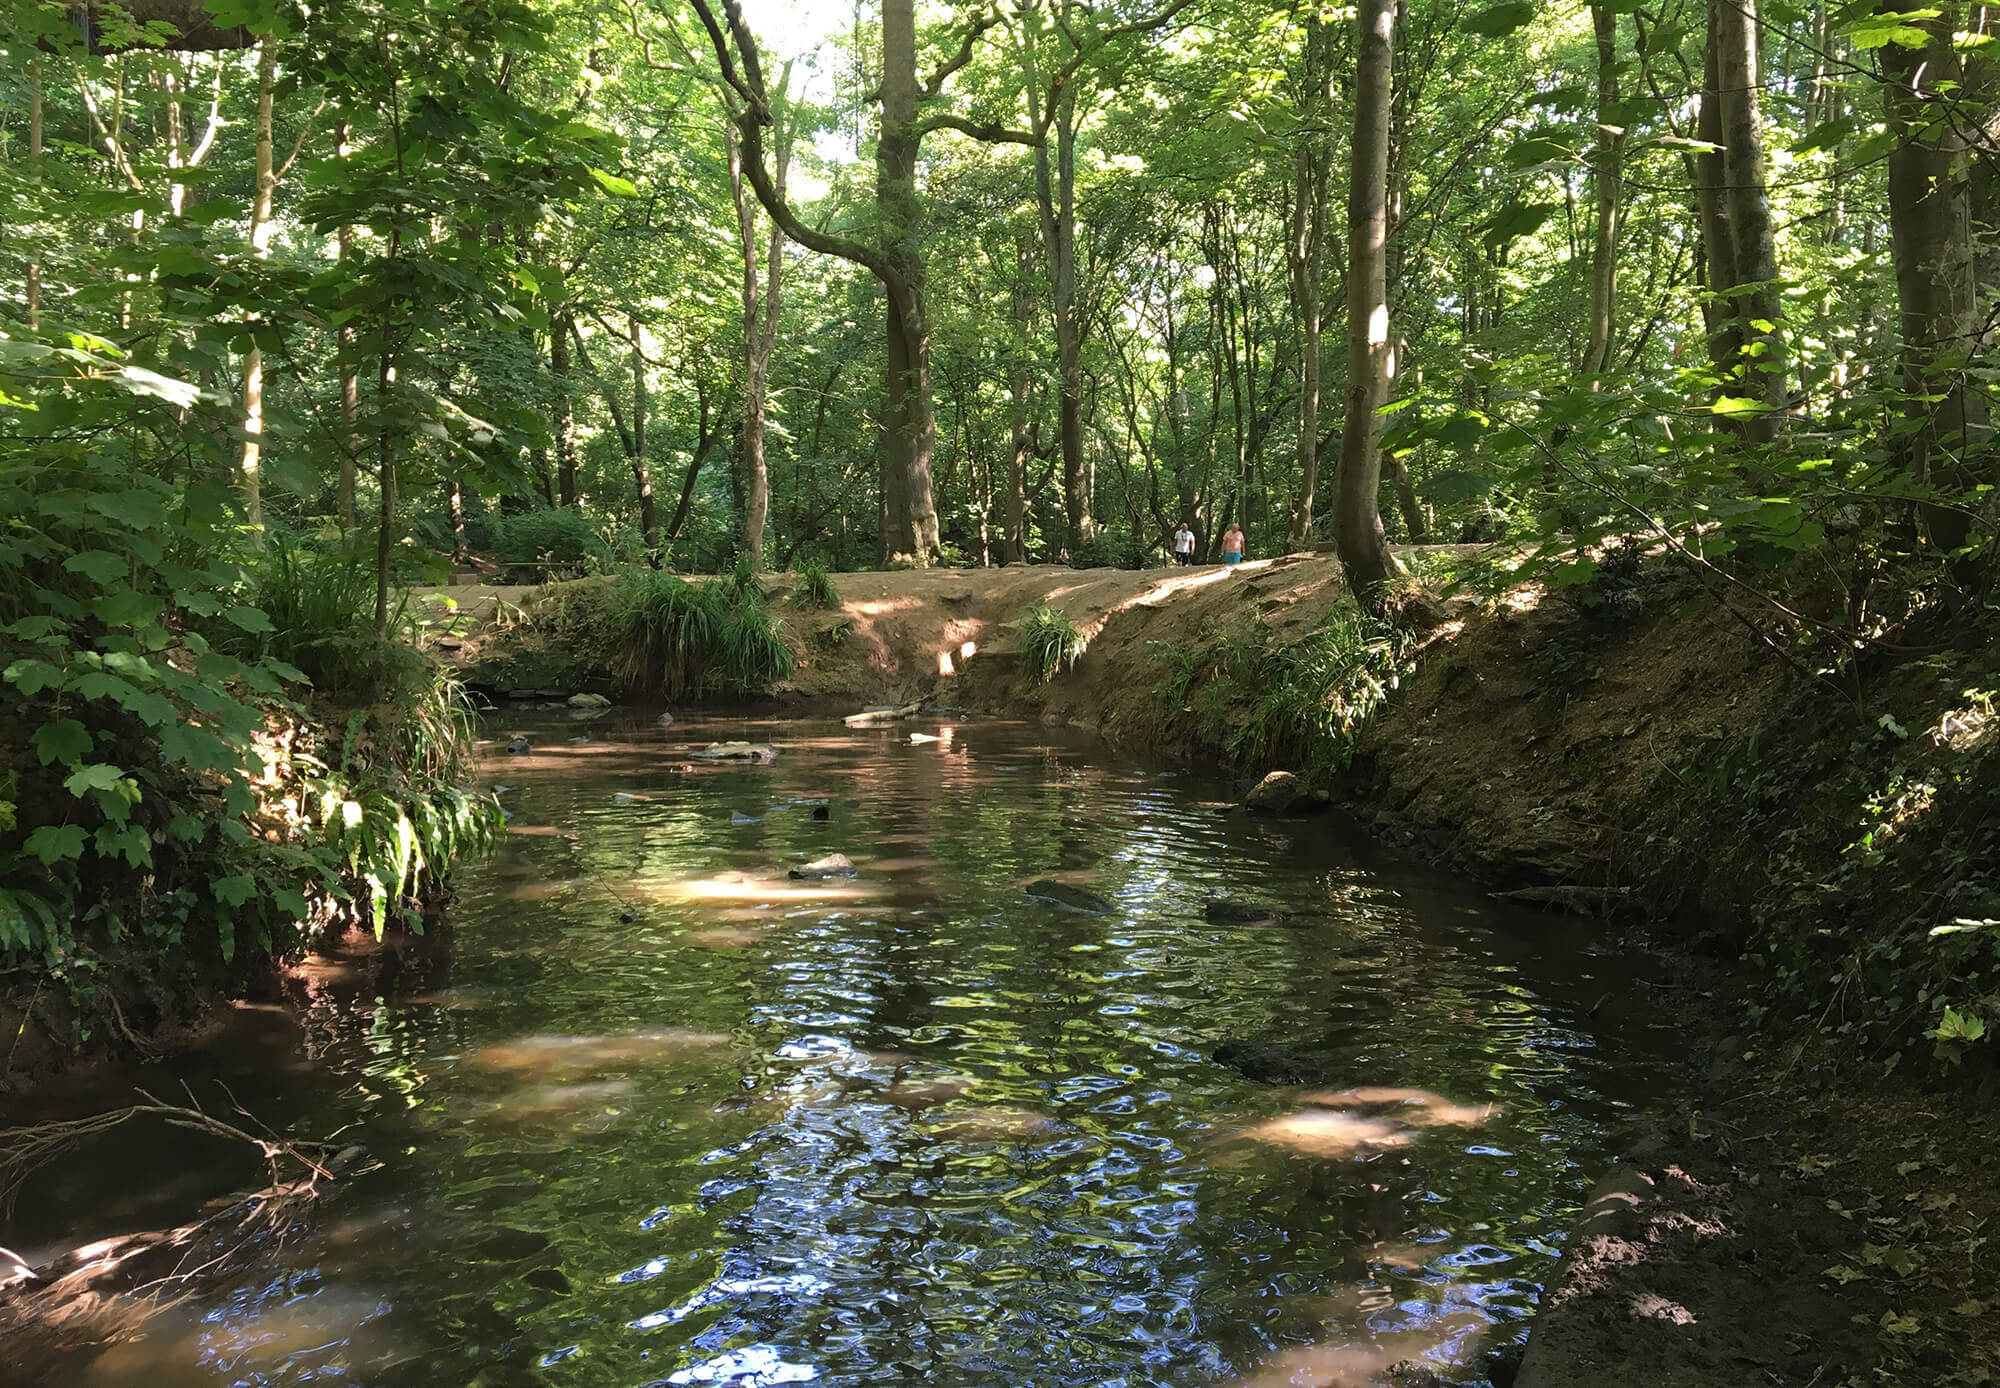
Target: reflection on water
{"points": [[670, 1117]]}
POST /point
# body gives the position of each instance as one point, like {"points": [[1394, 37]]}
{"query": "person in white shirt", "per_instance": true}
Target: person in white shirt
{"points": [[1184, 545]]}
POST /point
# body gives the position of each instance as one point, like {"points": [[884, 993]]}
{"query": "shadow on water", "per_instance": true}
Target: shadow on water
{"points": [[669, 1116]]}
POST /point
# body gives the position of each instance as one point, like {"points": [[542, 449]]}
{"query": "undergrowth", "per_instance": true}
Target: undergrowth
{"points": [[815, 589], [681, 639], [1262, 700], [1049, 641]]}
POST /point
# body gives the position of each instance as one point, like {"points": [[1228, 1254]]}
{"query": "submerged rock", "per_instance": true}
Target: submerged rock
{"points": [[822, 813], [877, 714], [738, 817], [736, 751], [589, 701], [1267, 1063], [1068, 898], [518, 747], [1223, 911], [832, 865], [1275, 794]]}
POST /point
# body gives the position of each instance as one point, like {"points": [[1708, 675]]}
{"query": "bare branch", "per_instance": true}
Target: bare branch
{"points": [[962, 57], [988, 131]]}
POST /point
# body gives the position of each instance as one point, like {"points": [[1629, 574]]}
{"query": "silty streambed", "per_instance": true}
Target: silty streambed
{"points": [[667, 1116]]}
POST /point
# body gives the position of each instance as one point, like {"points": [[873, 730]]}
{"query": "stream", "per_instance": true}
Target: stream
{"points": [[663, 1115]]}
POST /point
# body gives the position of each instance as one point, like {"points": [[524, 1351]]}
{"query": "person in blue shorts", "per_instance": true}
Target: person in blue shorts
{"points": [[1232, 545]]}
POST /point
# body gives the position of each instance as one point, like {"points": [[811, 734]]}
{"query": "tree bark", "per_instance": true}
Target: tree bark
{"points": [[560, 327], [1930, 228], [909, 524], [1362, 546], [1718, 237], [1014, 546], [1760, 372], [1312, 198], [1607, 175], [35, 177], [1055, 190], [350, 376], [260, 246], [760, 336], [642, 468]]}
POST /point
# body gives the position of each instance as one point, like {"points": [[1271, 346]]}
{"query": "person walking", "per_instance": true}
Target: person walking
{"points": [[1184, 545], [1232, 545]]}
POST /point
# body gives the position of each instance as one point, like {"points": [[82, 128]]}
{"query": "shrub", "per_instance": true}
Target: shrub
{"points": [[815, 589], [1049, 640], [561, 542], [1109, 550], [683, 639], [322, 611]]}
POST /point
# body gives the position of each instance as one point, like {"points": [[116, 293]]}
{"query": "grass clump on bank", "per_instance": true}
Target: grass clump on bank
{"points": [[681, 639], [1262, 700], [1049, 641], [815, 589]]}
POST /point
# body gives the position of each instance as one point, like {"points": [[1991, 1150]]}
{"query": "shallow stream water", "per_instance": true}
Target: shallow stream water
{"points": [[665, 1116]]}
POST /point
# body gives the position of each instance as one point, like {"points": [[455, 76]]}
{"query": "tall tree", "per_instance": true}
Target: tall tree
{"points": [[1607, 171], [1357, 522]]}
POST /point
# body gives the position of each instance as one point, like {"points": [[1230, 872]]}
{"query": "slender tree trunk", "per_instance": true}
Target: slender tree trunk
{"points": [[1312, 196], [1362, 546], [35, 177], [565, 409], [760, 336], [1718, 237], [350, 375], [642, 468], [1759, 314], [1055, 192], [260, 246], [1015, 545], [909, 524], [1608, 172], [1930, 228]]}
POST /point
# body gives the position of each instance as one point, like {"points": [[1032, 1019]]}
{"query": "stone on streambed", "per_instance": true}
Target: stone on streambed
{"points": [[589, 701], [736, 751], [820, 869], [1267, 1063], [518, 747], [1275, 794], [1223, 911], [1065, 897]]}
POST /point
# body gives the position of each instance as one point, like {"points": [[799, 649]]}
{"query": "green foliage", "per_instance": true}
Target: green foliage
{"points": [[321, 608], [1049, 641], [815, 589], [681, 638], [1110, 550], [1264, 701], [555, 543]]}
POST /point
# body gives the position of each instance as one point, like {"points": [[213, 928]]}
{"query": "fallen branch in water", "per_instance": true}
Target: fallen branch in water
{"points": [[107, 1290]]}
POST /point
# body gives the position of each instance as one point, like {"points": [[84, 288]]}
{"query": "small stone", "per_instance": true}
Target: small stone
{"points": [[1068, 898], [821, 813], [738, 817], [518, 747], [665, 720], [735, 751], [832, 865], [1226, 912], [589, 701], [1274, 794]]}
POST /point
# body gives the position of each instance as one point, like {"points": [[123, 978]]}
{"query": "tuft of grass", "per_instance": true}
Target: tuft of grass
{"points": [[1265, 702], [690, 640], [1049, 641], [322, 611], [815, 589]]}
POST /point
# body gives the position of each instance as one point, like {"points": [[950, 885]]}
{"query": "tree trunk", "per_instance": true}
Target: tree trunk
{"points": [[1607, 175], [1930, 229], [1014, 547], [1055, 191], [642, 468], [1718, 240], [1312, 196], [760, 336], [350, 376], [1357, 523], [565, 409], [909, 525], [35, 178], [260, 246], [1760, 374], [385, 449]]}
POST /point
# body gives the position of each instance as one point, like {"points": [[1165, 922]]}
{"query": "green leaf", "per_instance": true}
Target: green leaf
{"points": [[1880, 30], [141, 510], [32, 676], [619, 187], [1497, 21], [56, 843], [127, 609], [248, 618], [235, 890], [100, 566], [96, 776], [62, 740]]}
